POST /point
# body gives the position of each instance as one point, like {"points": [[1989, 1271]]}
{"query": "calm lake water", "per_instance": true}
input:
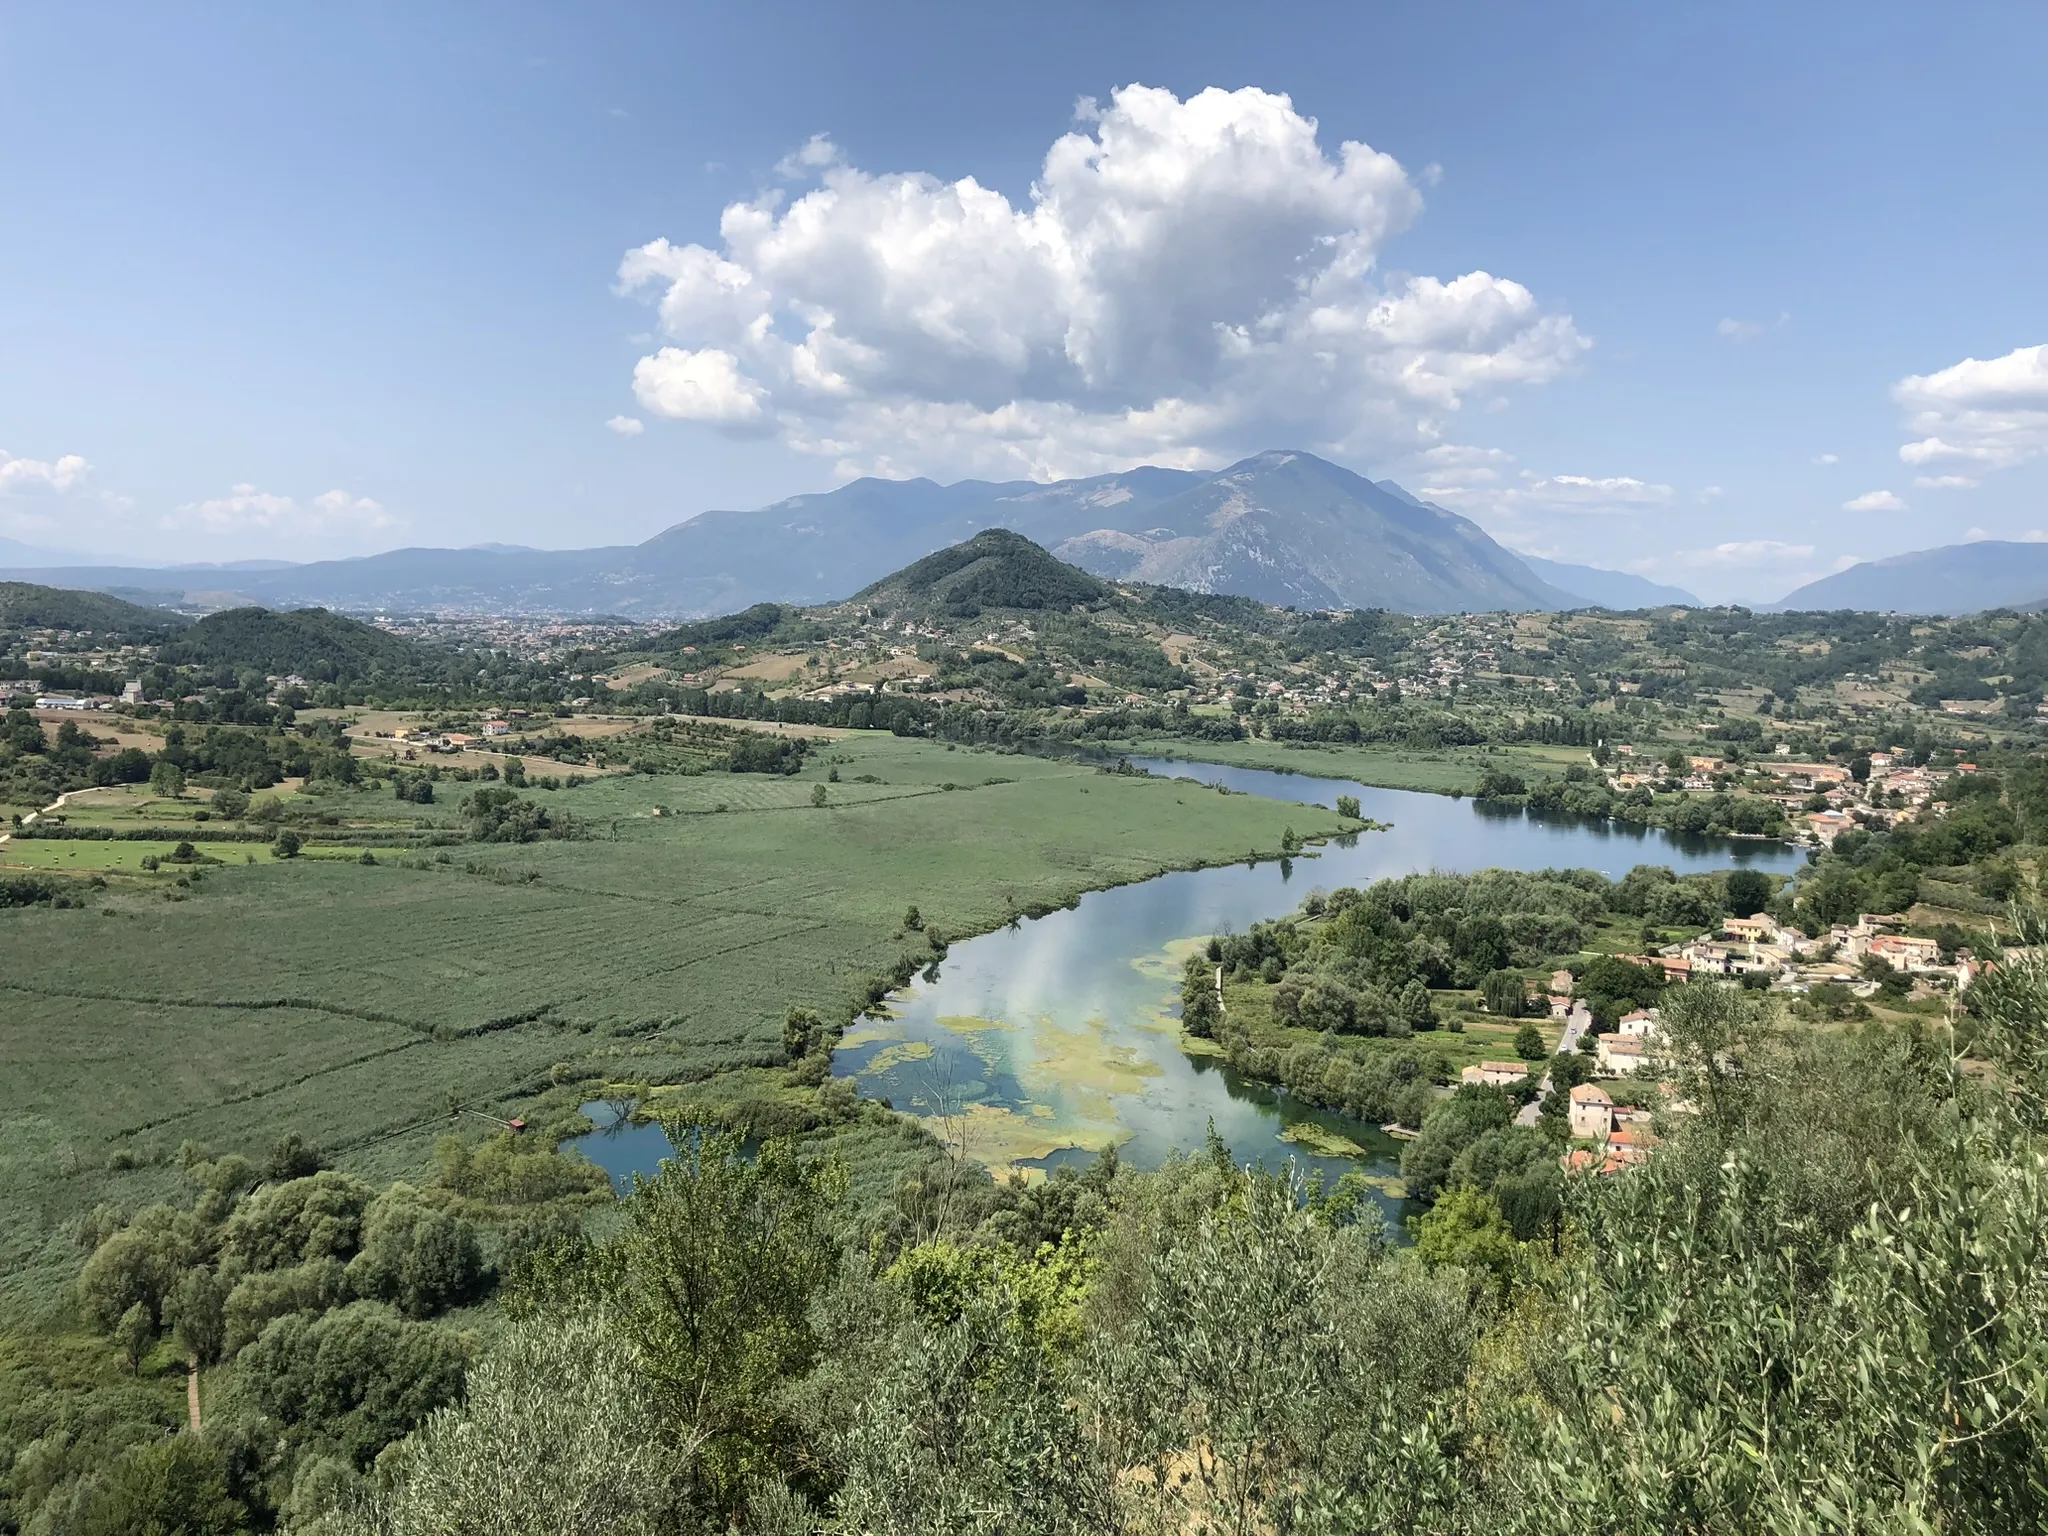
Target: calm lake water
{"points": [[620, 1147], [1043, 1043]]}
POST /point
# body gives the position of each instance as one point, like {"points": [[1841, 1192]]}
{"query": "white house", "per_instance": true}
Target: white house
{"points": [[1620, 1055], [1917, 956], [1710, 959], [1644, 1025], [1592, 1113]]}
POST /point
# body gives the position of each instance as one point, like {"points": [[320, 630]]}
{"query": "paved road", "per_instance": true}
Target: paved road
{"points": [[1576, 1023]]}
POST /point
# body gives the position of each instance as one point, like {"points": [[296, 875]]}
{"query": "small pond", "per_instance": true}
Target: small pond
{"points": [[620, 1146]]}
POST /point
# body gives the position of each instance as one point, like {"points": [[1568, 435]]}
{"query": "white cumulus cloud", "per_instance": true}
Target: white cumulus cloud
{"points": [[698, 386], [1187, 281], [1874, 501], [818, 152], [1747, 554], [1946, 482], [1991, 412], [627, 426], [1451, 468], [1467, 479], [1595, 493], [246, 509], [28, 475]]}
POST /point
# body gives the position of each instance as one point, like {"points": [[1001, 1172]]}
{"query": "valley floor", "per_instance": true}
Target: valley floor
{"points": [[350, 1002]]}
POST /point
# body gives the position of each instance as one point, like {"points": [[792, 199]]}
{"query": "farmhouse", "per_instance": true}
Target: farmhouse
{"points": [[1642, 1025], [1628, 1145], [1592, 1113], [1495, 1074], [1752, 930], [1907, 954], [1620, 1055]]}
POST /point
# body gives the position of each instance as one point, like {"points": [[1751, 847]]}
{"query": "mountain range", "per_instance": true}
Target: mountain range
{"points": [[1284, 527], [1610, 589], [1956, 578]]}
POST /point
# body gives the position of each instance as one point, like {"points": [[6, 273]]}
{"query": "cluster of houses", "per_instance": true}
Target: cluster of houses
{"points": [[1760, 945], [1740, 946], [1621, 1136], [1896, 790], [424, 738]]}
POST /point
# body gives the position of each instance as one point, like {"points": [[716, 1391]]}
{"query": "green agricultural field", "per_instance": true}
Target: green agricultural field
{"points": [[348, 1001], [1441, 770], [92, 857]]}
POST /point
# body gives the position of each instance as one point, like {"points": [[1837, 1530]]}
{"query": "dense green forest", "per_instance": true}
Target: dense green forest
{"points": [[24, 605], [311, 642]]}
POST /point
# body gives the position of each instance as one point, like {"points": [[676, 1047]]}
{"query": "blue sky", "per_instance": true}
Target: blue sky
{"points": [[1654, 287]]}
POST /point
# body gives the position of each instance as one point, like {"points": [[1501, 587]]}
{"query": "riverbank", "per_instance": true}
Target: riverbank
{"points": [[346, 1002], [1717, 815], [1062, 1036], [1436, 771]]}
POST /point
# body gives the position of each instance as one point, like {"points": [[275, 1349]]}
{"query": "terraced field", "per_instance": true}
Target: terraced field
{"points": [[349, 1001]]}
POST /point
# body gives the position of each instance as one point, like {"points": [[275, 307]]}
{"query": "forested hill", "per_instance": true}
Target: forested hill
{"points": [[755, 623], [994, 569], [25, 605], [310, 642]]}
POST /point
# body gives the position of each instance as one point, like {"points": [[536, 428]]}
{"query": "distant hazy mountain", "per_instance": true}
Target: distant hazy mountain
{"points": [[1609, 589], [1290, 528], [15, 555], [1286, 528], [1957, 578], [820, 548]]}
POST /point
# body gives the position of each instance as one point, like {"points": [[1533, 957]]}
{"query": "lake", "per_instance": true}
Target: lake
{"points": [[1042, 1043]]}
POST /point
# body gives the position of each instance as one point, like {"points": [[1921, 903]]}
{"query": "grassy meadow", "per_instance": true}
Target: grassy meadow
{"points": [[348, 1001]]}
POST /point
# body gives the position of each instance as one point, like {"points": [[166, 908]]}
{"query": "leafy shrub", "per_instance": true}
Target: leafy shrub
{"points": [[500, 815], [357, 1378]]}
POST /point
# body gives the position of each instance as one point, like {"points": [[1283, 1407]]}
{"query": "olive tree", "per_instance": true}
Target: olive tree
{"points": [[711, 1285], [568, 1396]]}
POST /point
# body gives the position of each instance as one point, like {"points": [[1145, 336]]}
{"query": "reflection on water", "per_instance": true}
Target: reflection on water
{"points": [[1044, 1042], [620, 1147]]}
